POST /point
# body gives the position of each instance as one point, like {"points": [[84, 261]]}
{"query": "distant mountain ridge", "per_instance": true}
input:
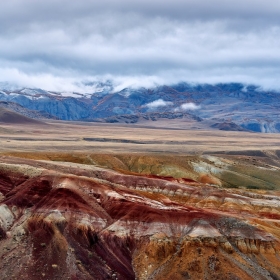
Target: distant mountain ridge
{"points": [[247, 106]]}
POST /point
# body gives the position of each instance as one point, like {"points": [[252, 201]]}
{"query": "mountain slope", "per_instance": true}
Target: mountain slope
{"points": [[15, 107], [10, 117], [228, 126]]}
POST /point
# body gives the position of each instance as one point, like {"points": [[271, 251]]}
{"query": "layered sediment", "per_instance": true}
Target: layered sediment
{"points": [[63, 220]]}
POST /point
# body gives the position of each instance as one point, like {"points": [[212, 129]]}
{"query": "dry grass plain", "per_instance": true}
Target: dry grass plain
{"points": [[119, 138]]}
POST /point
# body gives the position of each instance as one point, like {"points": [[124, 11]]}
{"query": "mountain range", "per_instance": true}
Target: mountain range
{"points": [[231, 106]]}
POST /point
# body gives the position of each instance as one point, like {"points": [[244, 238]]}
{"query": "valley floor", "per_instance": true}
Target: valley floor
{"points": [[116, 138]]}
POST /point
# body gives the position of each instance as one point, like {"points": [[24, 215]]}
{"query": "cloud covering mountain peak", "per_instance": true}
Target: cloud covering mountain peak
{"points": [[58, 44]]}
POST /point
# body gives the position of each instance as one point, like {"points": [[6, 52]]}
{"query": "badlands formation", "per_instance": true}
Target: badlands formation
{"points": [[139, 217], [86, 202]]}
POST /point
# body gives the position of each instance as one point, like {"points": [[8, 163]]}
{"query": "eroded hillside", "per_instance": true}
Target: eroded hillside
{"points": [[137, 217]]}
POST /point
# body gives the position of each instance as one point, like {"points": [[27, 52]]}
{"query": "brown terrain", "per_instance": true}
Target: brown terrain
{"points": [[9, 117], [111, 201]]}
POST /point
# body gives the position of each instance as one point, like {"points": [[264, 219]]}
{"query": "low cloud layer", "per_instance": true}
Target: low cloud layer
{"points": [[189, 106], [59, 44], [158, 103]]}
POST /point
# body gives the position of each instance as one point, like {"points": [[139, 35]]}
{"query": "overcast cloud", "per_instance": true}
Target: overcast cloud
{"points": [[56, 44]]}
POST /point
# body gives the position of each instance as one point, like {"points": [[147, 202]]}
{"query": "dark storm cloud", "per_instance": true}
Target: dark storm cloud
{"points": [[59, 42]]}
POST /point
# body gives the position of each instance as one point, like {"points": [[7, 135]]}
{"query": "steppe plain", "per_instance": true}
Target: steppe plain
{"points": [[145, 201], [161, 137]]}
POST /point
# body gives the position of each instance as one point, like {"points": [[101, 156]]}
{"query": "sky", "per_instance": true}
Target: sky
{"points": [[61, 44]]}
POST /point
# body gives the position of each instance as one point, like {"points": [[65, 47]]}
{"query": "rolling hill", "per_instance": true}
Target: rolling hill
{"points": [[10, 117]]}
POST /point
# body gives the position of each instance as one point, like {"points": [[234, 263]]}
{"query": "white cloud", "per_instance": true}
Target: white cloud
{"points": [[187, 106], [158, 103]]}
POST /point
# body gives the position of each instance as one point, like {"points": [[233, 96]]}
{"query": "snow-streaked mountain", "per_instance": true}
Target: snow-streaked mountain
{"points": [[247, 106]]}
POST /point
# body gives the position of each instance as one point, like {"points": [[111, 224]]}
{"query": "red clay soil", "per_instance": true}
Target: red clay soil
{"points": [[76, 222]]}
